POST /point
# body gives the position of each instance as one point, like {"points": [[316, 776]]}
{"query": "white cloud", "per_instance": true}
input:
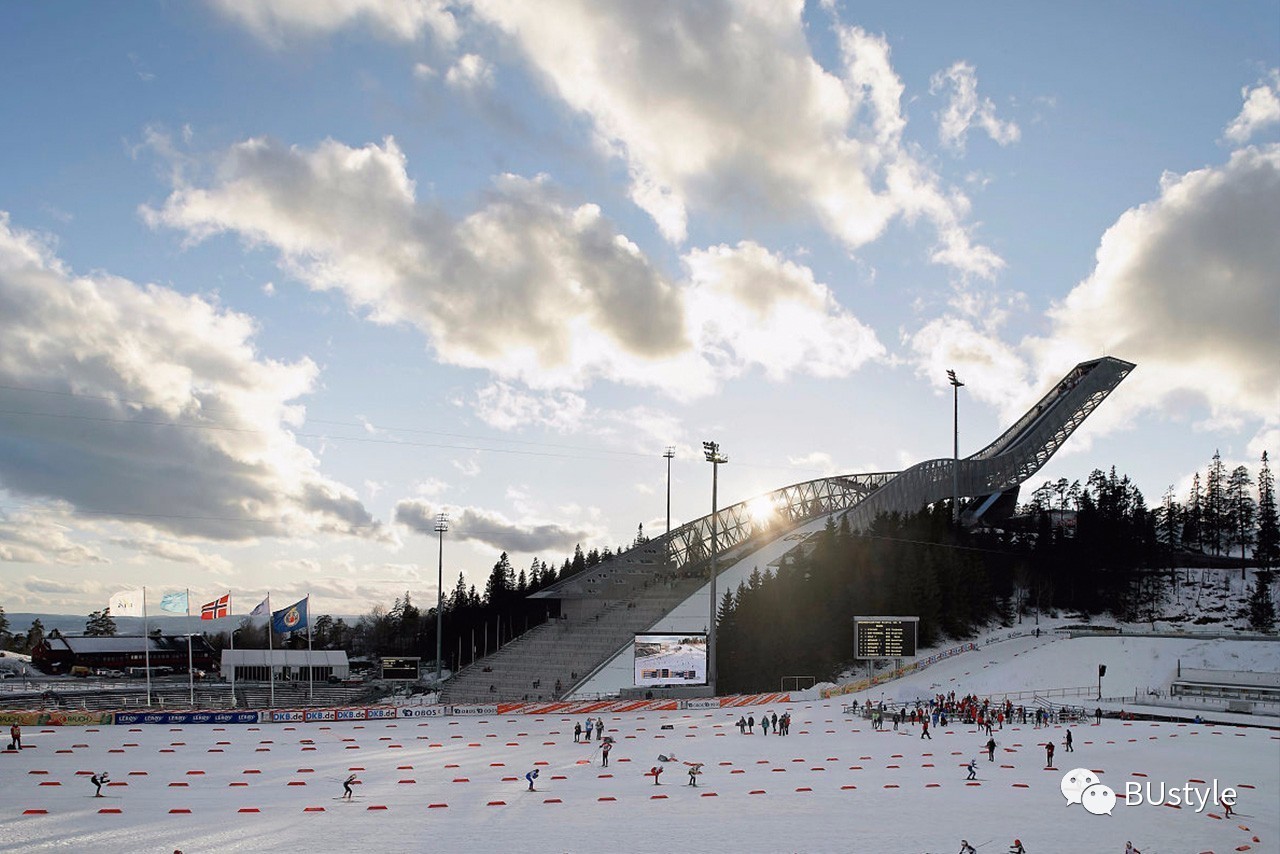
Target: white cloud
{"points": [[155, 408], [965, 109], [720, 106], [175, 552], [31, 536], [1184, 286], [471, 71], [401, 20], [1261, 108], [526, 286], [493, 528]]}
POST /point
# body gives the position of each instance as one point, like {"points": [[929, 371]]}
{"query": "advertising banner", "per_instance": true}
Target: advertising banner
{"points": [[184, 718], [380, 713], [287, 716], [55, 717], [349, 714], [700, 704], [421, 711], [473, 710], [321, 714]]}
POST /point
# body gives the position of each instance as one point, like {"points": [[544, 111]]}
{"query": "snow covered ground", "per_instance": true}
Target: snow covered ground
{"points": [[454, 784]]}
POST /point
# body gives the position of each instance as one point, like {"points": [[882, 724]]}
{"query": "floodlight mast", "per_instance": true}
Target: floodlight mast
{"points": [[442, 525], [712, 452], [668, 454], [955, 460]]}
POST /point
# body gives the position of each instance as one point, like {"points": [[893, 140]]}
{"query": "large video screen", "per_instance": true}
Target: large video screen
{"points": [[664, 660], [885, 637]]}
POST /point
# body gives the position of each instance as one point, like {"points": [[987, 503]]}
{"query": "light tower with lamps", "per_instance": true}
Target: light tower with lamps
{"points": [[668, 454], [442, 525], [712, 450], [955, 460]]}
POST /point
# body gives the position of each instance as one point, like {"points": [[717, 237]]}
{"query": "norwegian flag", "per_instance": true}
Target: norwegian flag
{"points": [[217, 608]]}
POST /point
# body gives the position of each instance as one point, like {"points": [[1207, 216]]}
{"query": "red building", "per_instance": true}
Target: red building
{"points": [[58, 653]]}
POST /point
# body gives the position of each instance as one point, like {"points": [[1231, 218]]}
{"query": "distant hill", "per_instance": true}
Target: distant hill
{"points": [[168, 623]]}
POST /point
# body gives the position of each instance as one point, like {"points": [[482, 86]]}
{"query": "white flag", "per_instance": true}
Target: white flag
{"points": [[261, 609], [126, 603]]}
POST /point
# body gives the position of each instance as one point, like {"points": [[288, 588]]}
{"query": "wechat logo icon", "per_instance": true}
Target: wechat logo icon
{"points": [[1081, 786]]}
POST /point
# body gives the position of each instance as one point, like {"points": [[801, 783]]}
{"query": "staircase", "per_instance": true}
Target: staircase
{"points": [[566, 650]]}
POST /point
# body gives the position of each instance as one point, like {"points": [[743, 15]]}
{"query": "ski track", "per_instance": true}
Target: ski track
{"points": [[909, 794]]}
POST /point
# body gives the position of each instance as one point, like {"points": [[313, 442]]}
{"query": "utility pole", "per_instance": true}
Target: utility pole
{"points": [[670, 452], [442, 525], [712, 451], [955, 460]]}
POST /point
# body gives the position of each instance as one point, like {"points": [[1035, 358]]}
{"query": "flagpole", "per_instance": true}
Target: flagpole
{"points": [[191, 673], [311, 695], [233, 653], [271, 656], [146, 646]]}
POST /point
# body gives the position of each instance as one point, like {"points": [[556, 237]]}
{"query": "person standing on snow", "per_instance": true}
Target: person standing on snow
{"points": [[764, 724], [346, 787], [15, 737], [973, 769], [1048, 754], [605, 747], [1067, 741], [577, 732], [695, 768], [991, 750], [751, 724], [590, 725], [531, 776], [924, 732]]}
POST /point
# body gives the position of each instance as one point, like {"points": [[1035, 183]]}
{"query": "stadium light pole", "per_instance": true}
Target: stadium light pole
{"points": [[712, 451], [955, 461], [442, 525], [670, 452]]}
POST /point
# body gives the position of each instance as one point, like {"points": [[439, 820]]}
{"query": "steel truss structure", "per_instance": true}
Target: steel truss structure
{"points": [[1003, 465]]}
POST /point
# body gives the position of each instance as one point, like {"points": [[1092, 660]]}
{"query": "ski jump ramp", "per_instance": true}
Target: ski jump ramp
{"points": [[988, 481]]}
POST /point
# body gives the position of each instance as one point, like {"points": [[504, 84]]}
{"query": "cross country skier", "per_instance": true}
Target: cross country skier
{"points": [[1228, 803], [973, 769], [695, 768], [1129, 849], [531, 776], [346, 787], [15, 737], [605, 747], [99, 780], [924, 732], [1016, 847], [656, 771], [966, 848]]}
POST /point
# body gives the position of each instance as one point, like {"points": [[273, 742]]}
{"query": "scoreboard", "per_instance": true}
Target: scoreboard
{"points": [[400, 668], [885, 637]]}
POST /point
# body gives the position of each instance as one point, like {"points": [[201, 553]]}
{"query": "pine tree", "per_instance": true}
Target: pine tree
{"points": [[4, 628], [1169, 521], [1262, 609], [1267, 549], [35, 635], [100, 624], [1215, 504], [1241, 511], [1193, 517]]}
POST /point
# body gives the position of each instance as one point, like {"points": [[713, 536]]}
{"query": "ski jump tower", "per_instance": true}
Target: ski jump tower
{"points": [[603, 607]]}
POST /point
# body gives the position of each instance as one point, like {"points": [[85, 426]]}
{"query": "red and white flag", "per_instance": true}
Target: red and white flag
{"points": [[216, 609]]}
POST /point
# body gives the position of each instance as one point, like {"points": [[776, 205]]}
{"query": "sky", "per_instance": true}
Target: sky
{"points": [[282, 280]]}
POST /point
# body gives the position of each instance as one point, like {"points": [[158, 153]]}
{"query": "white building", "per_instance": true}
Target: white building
{"points": [[290, 665]]}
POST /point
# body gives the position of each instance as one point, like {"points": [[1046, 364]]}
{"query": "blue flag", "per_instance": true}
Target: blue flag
{"points": [[174, 603], [290, 619]]}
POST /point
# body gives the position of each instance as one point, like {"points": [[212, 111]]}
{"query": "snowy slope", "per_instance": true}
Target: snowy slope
{"points": [[833, 785]]}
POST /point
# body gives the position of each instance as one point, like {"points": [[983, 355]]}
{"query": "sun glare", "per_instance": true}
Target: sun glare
{"points": [[761, 510]]}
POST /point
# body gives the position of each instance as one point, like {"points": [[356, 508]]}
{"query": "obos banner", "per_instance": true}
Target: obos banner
{"points": [[473, 710]]}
